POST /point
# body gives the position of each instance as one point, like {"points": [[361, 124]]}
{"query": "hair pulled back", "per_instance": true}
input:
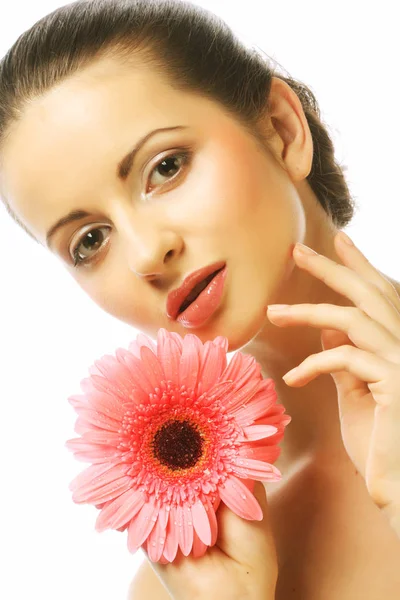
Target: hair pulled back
{"points": [[193, 48]]}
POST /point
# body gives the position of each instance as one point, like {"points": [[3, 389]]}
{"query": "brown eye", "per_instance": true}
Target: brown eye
{"points": [[170, 166], [89, 245]]}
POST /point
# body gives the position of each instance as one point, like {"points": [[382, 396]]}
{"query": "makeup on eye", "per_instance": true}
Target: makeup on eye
{"points": [[185, 153]]}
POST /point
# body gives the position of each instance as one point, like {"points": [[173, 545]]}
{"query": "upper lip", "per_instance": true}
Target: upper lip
{"points": [[177, 296]]}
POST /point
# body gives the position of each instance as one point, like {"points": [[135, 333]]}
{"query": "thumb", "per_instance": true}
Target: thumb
{"points": [[248, 542]]}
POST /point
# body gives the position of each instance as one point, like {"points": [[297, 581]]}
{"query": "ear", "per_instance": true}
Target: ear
{"points": [[293, 143]]}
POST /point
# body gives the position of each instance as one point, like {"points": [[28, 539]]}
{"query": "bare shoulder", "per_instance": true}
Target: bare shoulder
{"points": [[146, 585]]}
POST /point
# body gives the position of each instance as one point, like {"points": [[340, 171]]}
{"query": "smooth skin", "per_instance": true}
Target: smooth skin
{"points": [[234, 202], [361, 350]]}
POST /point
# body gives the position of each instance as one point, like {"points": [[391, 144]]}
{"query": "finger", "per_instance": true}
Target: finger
{"points": [[364, 294], [248, 542], [346, 383], [363, 331], [365, 366], [352, 256], [383, 460]]}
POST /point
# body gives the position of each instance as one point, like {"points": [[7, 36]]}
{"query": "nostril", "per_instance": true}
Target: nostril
{"points": [[169, 255]]}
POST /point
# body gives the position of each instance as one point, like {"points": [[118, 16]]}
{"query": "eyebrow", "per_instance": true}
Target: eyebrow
{"points": [[124, 167]]}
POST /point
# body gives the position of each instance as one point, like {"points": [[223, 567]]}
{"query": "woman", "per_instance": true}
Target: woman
{"points": [[239, 170]]}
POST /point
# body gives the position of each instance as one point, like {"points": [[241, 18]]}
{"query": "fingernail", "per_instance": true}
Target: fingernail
{"points": [[304, 249], [277, 306], [290, 374], [345, 238]]}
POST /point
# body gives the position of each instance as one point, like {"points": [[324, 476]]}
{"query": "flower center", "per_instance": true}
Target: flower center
{"points": [[178, 444]]}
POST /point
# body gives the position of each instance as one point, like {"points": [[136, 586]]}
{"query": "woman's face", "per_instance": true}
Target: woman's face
{"points": [[219, 198]]}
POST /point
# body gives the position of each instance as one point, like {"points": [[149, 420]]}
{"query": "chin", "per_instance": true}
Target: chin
{"points": [[238, 329]]}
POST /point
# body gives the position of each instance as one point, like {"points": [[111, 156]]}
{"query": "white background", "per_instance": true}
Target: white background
{"points": [[50, 331]]}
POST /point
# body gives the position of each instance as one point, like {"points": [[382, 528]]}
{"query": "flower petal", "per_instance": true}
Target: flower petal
{"points": [[169, 357], [88, 483], [242, 368], [240, 500], [151, 367], [100, 455], [82, 426], [172, 541], [163, 560], [266, 453], [178, 339], [89, 474], [185, 529], [102, 493], [106, 404], [121, 510], [189, 363], [239, 396], [256, 432], [98, 419], [165, 335], [138, 374], [212, 517], [199, 548], [255, 469], [144, 340], [201, 522], [108, 438], [259, 405], [78, 401], [212, 365], [110, 387], [222, 341], [156, 542], [114, 370], [142, 524], [163, 516]]}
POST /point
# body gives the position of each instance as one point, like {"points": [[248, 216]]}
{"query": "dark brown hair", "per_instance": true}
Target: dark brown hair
{"points": [[191, 47]]}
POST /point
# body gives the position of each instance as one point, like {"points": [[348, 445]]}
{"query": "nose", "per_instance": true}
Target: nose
{"points": [[151, 249]]}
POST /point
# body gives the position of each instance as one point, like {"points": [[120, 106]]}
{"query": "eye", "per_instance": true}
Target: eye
{"points": [[170, 164], [91, 240]]}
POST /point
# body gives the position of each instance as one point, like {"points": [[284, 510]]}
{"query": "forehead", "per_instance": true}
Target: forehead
{"points": [[68, 141]]}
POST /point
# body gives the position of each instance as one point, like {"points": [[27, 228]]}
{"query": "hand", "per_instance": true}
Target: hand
{"points": [[362, 353], [242, 564]]}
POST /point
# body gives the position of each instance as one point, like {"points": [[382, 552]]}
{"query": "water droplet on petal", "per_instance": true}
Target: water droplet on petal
{"points": [[244, 496]]}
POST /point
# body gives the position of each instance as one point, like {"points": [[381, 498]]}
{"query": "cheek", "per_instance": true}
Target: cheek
{"points": [[227, 191], [115, 292]]}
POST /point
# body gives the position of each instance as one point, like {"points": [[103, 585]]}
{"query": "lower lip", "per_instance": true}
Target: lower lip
{"points": [[206, 303]]}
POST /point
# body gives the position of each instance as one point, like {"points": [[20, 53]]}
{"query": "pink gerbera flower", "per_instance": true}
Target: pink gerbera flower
{"points": [[172, 429]]}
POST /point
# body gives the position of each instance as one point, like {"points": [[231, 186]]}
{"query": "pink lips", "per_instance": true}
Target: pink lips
{"points": [[177, 297], [206, 303]]}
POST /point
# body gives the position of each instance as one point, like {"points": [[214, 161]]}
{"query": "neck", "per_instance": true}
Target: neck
{"points": [[315, 426]]}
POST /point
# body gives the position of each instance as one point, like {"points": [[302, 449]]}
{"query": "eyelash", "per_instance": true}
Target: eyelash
{"points": [[186, 155]]}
